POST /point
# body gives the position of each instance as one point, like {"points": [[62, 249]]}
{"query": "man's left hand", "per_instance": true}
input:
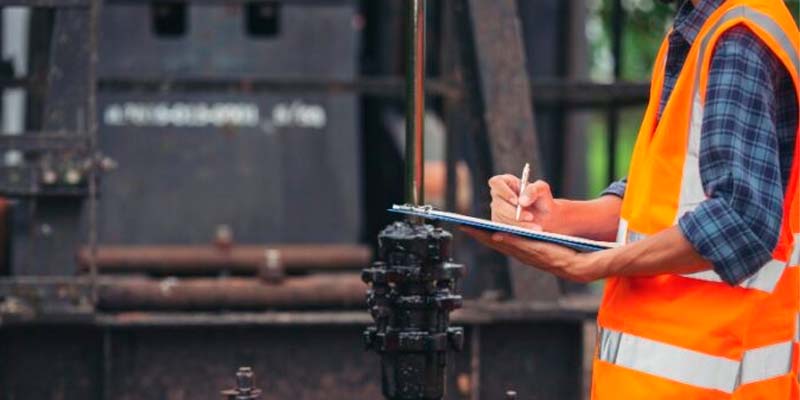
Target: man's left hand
{"points": [[558, 260]]}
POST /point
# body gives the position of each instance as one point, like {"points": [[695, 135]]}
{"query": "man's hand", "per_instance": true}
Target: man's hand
{"points": [[539, 209], [558, 260]]}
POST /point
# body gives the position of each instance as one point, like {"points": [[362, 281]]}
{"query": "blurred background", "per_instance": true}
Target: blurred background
{"points": [[191, 186]]}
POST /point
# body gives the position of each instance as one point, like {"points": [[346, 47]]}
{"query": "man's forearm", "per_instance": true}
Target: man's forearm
{"points": [[665, 252], [593, 219]]}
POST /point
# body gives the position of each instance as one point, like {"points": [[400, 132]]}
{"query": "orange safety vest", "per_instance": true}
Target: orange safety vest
{"points": [[694, 336]]}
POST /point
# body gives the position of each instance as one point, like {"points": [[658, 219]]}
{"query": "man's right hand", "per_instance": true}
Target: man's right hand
{"points": [[539, 209]]}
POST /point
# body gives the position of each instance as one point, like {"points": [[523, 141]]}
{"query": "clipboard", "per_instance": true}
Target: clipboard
{"points": [[573, 242]]}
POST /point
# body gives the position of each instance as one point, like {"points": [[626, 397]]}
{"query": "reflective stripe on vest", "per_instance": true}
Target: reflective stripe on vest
{"points": [[794, 260], [797, 327], [691, 367], [765, 279], [692, 192]]}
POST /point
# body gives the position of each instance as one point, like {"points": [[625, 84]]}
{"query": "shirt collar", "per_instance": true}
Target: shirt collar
{"points": [[690, 19]]}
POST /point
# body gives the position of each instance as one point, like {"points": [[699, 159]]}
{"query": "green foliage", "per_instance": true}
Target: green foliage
{"points": [[646, 23]]}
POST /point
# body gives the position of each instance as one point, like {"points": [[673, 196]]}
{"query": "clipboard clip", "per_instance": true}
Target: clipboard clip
{"points": [[426, 208]]}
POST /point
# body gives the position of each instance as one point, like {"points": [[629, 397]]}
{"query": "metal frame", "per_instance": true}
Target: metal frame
{"points": [[494, 74], [473, 87]]}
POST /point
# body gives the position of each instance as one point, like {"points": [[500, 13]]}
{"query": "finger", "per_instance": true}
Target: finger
{"points": [[486, 238], [506, 196], [503, 211], [533, 192], [477, 233], [508, 215], [506, 187]]}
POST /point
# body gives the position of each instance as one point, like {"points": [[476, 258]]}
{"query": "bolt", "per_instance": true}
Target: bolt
{"points": [[107, 164], [223, 237], [511, 395], [72, 176], [49, 177], [244, 378], [245, 387]]}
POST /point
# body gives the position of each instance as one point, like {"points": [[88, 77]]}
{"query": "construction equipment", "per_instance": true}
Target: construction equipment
{"points": [[178, 86]]}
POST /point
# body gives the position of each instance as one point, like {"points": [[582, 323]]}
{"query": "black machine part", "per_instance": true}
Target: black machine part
{"points": [[412, 292], [245, 386]]}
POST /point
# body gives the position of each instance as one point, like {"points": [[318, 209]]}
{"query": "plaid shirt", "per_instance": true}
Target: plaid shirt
{"points": [[746, 146]]}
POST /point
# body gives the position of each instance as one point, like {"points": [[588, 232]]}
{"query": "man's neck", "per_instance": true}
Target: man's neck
{"points": [[696, 2]]}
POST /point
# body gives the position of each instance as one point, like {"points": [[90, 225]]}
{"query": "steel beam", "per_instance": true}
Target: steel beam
{"points": [[497, 73]]}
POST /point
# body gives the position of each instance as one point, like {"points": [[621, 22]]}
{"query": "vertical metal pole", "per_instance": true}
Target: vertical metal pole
{"points": [[453, 120], [617, 30], [475, 362], [415, 101], [91, 123]]}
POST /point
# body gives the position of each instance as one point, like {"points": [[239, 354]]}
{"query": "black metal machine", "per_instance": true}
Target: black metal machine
{"points": [[411, 296], [203, 250], [413, 285]]}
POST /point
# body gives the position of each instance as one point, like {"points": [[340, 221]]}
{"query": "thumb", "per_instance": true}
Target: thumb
{"points": [[534, 192]]}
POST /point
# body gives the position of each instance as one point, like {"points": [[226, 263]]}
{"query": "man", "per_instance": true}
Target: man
{"points": [[701, 301]]}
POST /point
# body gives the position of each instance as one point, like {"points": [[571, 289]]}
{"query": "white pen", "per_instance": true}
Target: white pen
{"points": [[522, 183]]}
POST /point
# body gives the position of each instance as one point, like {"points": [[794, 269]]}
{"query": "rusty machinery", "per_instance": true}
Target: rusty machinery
{"points": [[413, 285], [144, 293]]}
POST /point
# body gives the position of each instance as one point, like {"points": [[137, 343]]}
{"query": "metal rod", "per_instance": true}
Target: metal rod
{"points": [[451, 69], [475, 362], [91, 123], [239, 259], [612, 118], [415, 101], [318, 290]]}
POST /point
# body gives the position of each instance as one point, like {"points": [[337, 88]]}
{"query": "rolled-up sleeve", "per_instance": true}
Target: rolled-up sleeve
{"points": [[738, 225], [616, 188]]}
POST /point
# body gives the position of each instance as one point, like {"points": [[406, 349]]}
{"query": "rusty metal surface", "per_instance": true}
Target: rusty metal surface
{"points": [[541, 354], [245, 259], [508, 123], [291, 362], [49, 364], [316, 291], [45, 300], [474, 313], [505, 87], [194, 364], [40, 141]]}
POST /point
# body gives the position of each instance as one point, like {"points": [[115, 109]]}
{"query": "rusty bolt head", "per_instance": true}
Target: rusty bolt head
{"points": [[107, 164], [49, 177], [244, 378], [72, 176]]}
